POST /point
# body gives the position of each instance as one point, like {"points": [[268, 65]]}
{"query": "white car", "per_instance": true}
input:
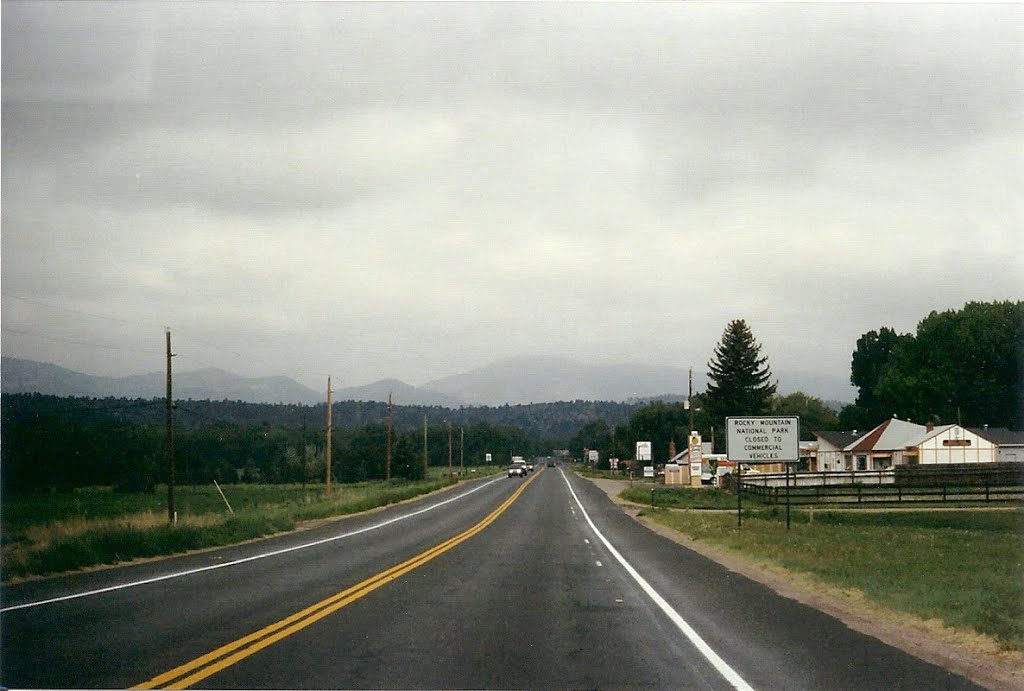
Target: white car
{"points": [[517, 469]]}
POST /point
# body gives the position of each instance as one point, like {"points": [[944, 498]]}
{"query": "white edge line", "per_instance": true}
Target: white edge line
{"points": [[719, 664], [192, 572]]}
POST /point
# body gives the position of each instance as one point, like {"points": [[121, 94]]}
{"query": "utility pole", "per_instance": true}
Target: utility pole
{"points": [[169, 447], [304, 449], [387, 460], [449, 447], [462, 451], [424, 447], [328, 437], [689, 400]]}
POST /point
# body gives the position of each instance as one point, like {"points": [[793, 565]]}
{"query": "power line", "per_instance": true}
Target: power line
{"points": [[64, 308], [62, 339]]}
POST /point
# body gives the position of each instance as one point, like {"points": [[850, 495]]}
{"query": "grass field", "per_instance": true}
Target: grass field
{"points": [[681, 497], [965, 568], [54, 532]]}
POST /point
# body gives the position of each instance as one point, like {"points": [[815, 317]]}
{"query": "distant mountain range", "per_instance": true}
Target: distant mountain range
{"points": [[28, 376], [513, 381], [529, 379]]}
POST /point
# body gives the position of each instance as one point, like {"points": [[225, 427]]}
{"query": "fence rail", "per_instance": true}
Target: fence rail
{"points": [[946, 484], [882, 494]]}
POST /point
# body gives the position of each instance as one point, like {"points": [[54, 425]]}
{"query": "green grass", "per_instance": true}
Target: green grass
{"points": [[50, 533], [965, 568], [682, 497]]}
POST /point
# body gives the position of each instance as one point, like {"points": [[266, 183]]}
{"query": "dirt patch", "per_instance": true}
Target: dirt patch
{"points": [[963, 651]]}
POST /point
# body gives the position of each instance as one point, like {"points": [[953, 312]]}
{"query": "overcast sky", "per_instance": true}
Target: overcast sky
{"points": [[373, 190]]}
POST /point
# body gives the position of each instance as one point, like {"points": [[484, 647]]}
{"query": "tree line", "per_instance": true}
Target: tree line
{"points": [[962, 366], [63, 443]]}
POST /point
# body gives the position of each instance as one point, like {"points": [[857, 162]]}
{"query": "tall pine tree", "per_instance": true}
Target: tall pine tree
{"points": [[739, 379]]}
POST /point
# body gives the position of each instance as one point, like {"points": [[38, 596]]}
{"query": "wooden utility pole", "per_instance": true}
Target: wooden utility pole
{"points": [[449, 448], [425, 447], [387, 460], [689, 400], [169, 447], [462, 451], [328, 437], [304, 449]]}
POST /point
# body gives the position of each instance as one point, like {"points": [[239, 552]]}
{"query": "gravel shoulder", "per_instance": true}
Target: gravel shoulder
{"points": [[964, 652]]}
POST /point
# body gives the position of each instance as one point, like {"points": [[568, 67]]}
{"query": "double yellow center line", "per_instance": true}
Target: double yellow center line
{"points": [[223, 657]]}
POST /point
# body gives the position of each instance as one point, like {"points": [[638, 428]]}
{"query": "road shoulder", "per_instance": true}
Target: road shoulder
{"points": [[972, 655]]}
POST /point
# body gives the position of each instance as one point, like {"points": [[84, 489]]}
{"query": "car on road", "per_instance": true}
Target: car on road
{"points": [[518, 469], [529, 466]]}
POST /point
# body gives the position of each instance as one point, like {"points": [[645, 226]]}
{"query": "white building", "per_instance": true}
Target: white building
{"points": [[951, 444], [898, 442], [1009, 444]]}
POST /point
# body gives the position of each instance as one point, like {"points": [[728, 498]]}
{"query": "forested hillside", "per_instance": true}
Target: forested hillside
{"points": [[541, 421], [62, 443]]}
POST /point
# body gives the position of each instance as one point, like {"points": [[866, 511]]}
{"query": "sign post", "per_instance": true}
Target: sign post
{"points": [[761, 440], [643, 455], [696, 457]]}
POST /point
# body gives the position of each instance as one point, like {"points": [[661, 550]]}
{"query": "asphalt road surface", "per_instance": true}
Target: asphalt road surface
{"points": [[538, 583]]}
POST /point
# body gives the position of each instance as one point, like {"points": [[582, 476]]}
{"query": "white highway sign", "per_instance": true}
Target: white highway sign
{"points": [[763, 439]]}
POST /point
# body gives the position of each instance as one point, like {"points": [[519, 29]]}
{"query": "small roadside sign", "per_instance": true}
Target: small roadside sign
{"points": [[643, 451], [763, 439]]}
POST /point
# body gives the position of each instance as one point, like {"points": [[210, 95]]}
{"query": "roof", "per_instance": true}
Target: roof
{"points": [[1000, 436], [838, 438], [933, 432], [892, 435], [705, 449]]}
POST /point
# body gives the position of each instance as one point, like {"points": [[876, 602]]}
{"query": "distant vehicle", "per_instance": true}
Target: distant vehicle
{"points": [[551, 463], [517, 469], [529, 466]]}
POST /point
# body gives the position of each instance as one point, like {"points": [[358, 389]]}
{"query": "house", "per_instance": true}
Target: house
{"points": [[883, 447], [830, 456], [677, 469], [1009, 444], [683, 457], [950, 444], [900, 442]]}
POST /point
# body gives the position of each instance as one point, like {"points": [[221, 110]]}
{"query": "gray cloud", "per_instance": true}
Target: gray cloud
{"points": [[415, 190]]}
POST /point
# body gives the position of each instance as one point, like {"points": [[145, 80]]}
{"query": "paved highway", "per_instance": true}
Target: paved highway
{"points": [[500, 583]]}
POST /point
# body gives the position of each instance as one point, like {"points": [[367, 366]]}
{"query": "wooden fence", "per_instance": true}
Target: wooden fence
{"points": [[948, 483]]}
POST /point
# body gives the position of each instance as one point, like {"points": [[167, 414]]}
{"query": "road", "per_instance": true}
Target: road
{"points": [[539, 583]]}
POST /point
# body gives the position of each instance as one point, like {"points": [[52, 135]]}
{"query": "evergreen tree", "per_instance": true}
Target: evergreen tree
{"points": [[739, 378]]}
